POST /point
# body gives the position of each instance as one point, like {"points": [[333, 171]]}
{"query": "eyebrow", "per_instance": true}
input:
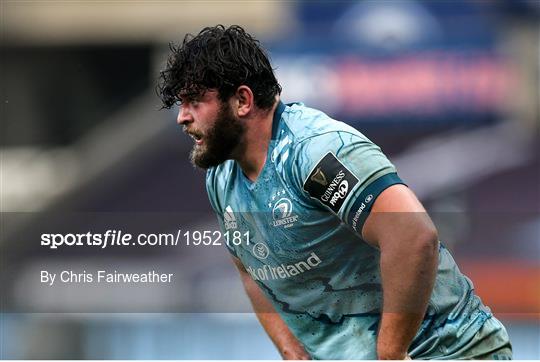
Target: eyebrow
{"points": [[191, 96]]}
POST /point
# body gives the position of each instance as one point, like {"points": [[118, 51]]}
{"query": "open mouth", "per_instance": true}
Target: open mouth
{"points": [[197, 138]]}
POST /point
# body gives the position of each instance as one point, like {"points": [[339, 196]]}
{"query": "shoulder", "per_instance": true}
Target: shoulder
{"points": [[309, 139], [304, 123], [328, 160], [309, 135]]}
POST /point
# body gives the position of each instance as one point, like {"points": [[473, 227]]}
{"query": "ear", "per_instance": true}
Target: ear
{"points": [[245, 101]]}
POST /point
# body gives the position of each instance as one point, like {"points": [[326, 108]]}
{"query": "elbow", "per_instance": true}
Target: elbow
{"points": [[427, 242], [414, 236]]}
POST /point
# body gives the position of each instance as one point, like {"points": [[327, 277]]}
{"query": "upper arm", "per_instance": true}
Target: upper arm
{"points": [[397, 214]]}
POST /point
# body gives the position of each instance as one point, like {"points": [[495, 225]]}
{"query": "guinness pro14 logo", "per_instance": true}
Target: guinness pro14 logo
{"points": [[330, 182]]}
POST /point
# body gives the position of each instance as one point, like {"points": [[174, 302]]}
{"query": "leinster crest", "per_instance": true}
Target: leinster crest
{"points": [[282, 210]]}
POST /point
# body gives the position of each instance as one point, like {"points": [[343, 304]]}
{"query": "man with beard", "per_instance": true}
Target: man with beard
{"points": [[342, 261]]}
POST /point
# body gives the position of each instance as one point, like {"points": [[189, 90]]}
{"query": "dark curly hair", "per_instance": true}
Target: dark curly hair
{"points": [[220, 58]]}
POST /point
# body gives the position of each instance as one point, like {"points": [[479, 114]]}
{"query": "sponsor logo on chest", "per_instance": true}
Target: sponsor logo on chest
{"points": [[281, 271]]}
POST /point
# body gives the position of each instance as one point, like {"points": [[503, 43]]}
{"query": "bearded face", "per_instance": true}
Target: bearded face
{"points": [[217, 143]]}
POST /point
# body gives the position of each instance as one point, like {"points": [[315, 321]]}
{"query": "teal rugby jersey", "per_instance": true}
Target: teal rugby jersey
{"points": [[304, 215]]}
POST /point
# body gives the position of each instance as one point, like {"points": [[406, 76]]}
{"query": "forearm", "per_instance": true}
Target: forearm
{"points": [[408, 270], [287, 344]]}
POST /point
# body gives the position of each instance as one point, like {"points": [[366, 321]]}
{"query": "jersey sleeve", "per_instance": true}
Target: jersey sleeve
{"points": [[343, 172], [225, 216]]}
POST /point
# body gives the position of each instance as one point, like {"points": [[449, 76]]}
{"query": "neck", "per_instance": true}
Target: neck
{"points": [[256, 142]]}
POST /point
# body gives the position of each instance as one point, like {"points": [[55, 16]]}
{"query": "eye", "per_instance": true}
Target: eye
{"points": [[189, 100]]}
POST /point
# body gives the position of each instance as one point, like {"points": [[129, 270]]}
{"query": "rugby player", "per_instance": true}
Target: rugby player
{"points": [[342, 260]]}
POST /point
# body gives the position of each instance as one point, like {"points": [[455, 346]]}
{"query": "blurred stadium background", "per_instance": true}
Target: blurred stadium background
{"points": [[448, 89]]}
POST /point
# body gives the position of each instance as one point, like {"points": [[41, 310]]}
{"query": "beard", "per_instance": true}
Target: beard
{"points": [[220, 141]]}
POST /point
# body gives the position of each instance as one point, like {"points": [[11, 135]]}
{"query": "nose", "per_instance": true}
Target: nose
{"points": [[184, 116]]}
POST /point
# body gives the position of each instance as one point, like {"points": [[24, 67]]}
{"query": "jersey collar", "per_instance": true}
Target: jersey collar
{"points": [[277, 118]]}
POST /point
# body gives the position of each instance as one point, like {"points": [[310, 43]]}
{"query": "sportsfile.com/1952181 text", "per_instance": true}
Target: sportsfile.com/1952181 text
{"points": [[113, 238]]}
